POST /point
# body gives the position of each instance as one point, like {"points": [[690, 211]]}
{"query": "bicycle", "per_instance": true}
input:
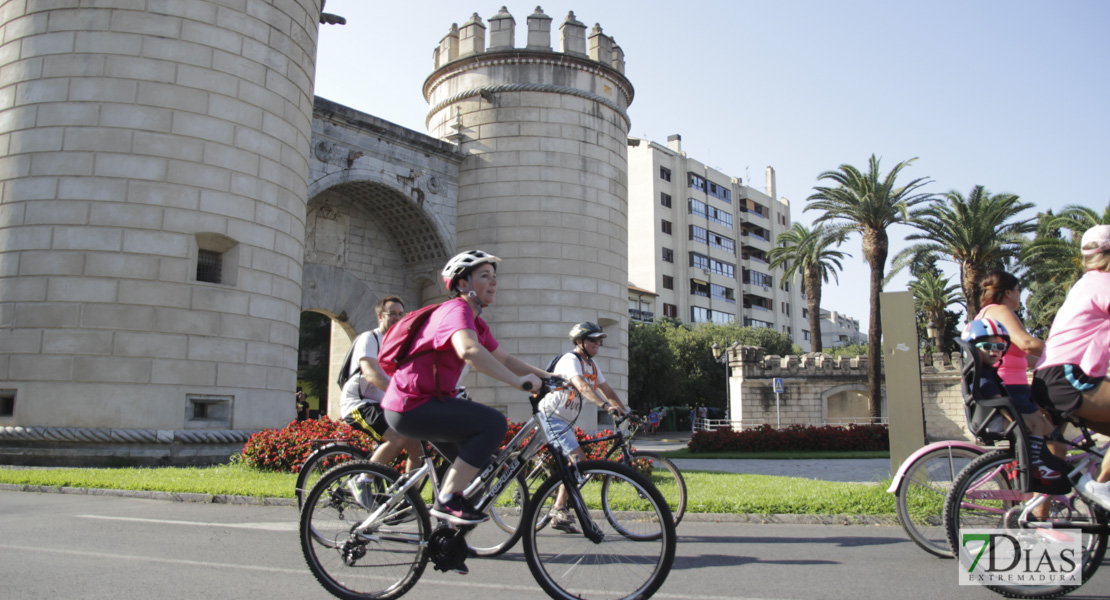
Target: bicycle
{"points": [[489, 539], [995, 491], [381, 551], [661, 471], [920, 487]]}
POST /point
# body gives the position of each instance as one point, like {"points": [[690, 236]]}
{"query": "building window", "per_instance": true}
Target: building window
{"points": [[209, 266], [719, 191], [668, 255], [666, 227], [704, 315], [695, 181], [805, 313], [722, 293], [699, 234], [805, 335], [664, 173], [217, 258], [668, 282], [665, 199], [208, 412], [7, 403], [670, 311], [757, 278], [699, 288], [786, 308]]}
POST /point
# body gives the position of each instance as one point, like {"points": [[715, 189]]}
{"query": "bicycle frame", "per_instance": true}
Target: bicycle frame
{"points": [[1085, 461]]}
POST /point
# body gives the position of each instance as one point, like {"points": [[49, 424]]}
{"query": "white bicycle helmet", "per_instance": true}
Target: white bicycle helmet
{"points": [[463, 263]]}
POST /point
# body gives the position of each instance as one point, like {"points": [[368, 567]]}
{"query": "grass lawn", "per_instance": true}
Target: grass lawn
{"points": [[708, 492]]}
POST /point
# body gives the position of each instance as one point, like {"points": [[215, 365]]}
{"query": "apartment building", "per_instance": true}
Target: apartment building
{"points": [[838, 329], [698, 243]]}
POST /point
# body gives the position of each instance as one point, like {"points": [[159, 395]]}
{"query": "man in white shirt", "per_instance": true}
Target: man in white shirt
{"points": [[563, 406], [360, 403]]}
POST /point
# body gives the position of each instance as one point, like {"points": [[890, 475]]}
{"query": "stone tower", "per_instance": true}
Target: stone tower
{"points": [[544, 182], [154, 158]]}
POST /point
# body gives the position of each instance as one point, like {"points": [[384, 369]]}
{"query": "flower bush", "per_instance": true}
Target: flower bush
{"points": [[283, 450], [766, 438]]}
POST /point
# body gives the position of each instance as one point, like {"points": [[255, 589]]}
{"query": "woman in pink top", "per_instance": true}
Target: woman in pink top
{"points": [[421, 401], [1072, 372], [1001, 298]]}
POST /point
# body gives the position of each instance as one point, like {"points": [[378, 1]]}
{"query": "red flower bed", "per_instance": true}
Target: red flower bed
{"points": [[284, 450], [795, 437]]}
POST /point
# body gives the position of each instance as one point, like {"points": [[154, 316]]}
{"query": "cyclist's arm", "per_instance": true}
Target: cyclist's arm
{"points": [[518, 366], [373, 373], [466, 345], [611, 394], [1018, 335]]}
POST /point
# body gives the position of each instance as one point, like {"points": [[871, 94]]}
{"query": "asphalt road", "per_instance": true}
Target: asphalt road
{"points": [[78, 546]]}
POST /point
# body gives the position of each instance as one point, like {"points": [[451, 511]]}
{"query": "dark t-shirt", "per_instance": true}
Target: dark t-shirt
{"points": [[990, 384]]}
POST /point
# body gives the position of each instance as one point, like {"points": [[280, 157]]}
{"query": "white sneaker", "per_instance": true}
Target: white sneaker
{"points": [[360, 490], [1093, 490]]}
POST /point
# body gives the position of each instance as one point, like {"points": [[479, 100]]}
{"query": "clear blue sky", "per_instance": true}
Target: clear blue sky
{"points": [[1012, 95]]}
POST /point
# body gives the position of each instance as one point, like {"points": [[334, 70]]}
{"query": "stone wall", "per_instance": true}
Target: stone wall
{"points": [[812, 380]]}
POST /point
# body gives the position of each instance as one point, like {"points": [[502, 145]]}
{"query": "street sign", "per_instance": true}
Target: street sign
{"points": [[779, 388]]}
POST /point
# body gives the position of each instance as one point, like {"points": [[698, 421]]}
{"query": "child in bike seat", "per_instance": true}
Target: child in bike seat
{"points": [[1071, 375], [991, 340]]}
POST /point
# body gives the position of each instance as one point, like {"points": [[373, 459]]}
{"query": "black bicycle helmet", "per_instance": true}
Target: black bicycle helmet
{"points": [[586, 329]]}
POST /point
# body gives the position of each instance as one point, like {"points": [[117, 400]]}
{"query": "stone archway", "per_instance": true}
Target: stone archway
{"points": [[845, 402]]}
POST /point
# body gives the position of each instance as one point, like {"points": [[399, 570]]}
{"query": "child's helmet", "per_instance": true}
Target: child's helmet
{"points": [[983, 328]]}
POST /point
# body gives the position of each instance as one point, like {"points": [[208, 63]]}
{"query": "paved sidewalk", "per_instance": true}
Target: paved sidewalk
{"points": [[852, 470]]}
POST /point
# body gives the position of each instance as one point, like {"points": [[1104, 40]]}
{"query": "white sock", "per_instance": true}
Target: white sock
{"points": [[444, 497]]}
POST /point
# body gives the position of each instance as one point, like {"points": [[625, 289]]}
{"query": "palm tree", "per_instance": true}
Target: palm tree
{"points": [[932, 294], [979, 233], [869, 203], [1053, 262], [807, 252]]}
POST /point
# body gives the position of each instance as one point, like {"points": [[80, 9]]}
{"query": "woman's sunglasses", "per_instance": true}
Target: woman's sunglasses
{"points": [[988, 346]]}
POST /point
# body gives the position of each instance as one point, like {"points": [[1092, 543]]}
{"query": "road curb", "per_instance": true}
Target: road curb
{"points": [[258, 501]]}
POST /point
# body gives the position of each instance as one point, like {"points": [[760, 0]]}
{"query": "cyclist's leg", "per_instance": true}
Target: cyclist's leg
{"points": [[473, 431]]}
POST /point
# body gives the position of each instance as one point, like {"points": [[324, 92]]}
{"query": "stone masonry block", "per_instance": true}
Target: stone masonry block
{"points": [[120, 266], [39, 139], [75, 341], [148, 293], [40, 368], [145, 118], [65, 113], [56, 212], [117, 317], [193, 322], [230, 374], [183, 372], [56, 163], [231, 158], [81, 289], [97, 139], [204, 176], [152, 345], [97, 42], [140, 69], [102, 89], [168, 146], [156, 243], [87, 238], [228, 40], [111, 369], [49, 90], [172, 96], [217, 349], [219, 300], [130, 166], [204, 127]]}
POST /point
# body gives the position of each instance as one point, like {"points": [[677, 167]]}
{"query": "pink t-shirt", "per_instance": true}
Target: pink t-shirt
{"points": [[1080, 333], [435, 373], [1014, 365]]}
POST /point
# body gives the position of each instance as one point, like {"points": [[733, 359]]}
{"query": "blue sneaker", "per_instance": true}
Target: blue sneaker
{"points": [[458, 511]]}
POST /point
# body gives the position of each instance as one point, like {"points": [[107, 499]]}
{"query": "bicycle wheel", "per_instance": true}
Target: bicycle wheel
{"points": [[323, 460], [666, 478], [502, 530], [984, 493], [571, 565], [920, 497], [384, 559]]}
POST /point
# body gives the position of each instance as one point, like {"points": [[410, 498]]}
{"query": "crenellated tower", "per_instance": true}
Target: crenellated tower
{"points": [[544, 182]]}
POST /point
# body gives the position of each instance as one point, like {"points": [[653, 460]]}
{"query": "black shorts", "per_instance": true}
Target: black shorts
{"points": [[1062, 387], [369, 418]]}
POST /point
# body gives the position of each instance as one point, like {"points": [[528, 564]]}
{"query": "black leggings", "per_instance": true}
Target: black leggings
{"points": [[458, 428]]}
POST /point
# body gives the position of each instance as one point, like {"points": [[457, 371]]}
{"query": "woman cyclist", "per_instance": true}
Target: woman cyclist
{"points": [[421, 401], [1072, 373]]}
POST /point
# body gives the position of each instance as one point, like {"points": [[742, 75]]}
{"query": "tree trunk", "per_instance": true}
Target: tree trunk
{"points": [[875, 248], [813, 297], [938, 320], [971, 275]]}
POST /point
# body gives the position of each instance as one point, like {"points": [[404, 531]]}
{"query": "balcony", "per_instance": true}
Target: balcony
{"points": [[645, 316]]}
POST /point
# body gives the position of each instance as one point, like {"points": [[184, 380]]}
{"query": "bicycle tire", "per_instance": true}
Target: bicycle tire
{"points": [[970, 505], [321, 461], [502, 531], [921, 495], [368, 564], [571, 566], [666, 477]]}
